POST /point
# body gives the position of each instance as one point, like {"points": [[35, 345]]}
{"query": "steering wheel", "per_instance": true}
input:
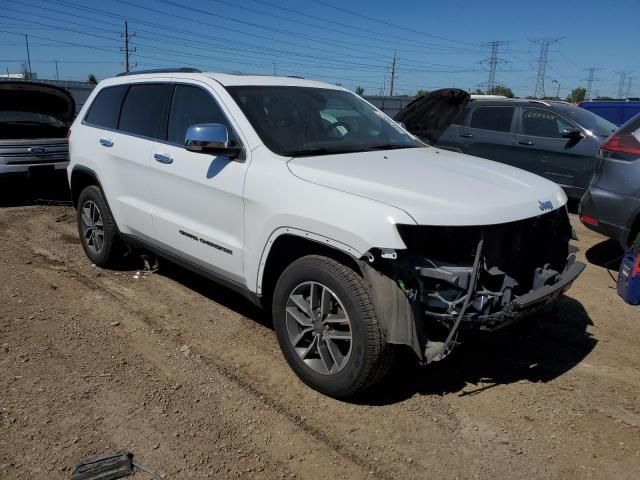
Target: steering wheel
{"points": [[331, 126]]}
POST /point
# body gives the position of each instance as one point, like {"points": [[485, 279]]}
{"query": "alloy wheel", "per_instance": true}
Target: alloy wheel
{"points": [[92, 227]]}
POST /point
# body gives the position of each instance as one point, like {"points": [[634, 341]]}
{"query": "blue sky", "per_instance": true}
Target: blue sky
{"points": [[438, 44]]}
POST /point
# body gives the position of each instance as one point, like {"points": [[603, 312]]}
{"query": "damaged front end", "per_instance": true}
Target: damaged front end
{"points": [[470, 277]]}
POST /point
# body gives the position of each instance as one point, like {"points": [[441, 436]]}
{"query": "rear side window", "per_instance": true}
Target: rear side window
{"points": [[143, 110], [492, 118], [459, 120], [105, 108], [190, 106]]}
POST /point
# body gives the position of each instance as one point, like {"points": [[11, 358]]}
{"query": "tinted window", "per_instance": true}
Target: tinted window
{"points": [[587, 119], [297, 121], [543, 123], [106, 106], [143, 110], [459, 120], [492, 118], [190, 106]]}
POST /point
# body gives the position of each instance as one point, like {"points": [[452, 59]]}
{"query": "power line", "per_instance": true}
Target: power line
{"points": [[543, 59]]}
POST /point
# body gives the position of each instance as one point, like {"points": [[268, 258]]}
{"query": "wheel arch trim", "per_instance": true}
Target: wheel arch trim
{"points": [[303, 234]]}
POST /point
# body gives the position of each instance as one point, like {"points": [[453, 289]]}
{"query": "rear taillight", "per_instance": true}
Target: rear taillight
{"points": [[589, 220], [636, 268], [622, 142]]}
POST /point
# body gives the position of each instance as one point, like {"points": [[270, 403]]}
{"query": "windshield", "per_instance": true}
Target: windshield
{"points": [[588, 120], [297, 121], [30, 117]]}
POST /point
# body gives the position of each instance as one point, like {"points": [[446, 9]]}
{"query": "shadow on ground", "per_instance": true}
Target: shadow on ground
{"points": [[538, 349], [606, 254], [21, 191]]}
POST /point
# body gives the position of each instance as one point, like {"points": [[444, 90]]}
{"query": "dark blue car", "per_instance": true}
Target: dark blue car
{"points": [[617, 112]]}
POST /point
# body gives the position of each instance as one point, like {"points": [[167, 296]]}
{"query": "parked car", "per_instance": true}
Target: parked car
{"points": [[617, 112], [611, 204], [311, 202], [555, 140], [34, 120]]}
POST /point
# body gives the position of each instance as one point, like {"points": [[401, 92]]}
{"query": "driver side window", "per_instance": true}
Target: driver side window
{"points": [[543, 123], [191, 105]]}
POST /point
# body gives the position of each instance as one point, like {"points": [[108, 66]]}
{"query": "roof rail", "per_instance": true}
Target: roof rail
{"points": [[540, 101], [161, 70]]}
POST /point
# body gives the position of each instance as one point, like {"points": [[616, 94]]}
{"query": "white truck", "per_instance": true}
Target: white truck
{"points": [[359, 237]]}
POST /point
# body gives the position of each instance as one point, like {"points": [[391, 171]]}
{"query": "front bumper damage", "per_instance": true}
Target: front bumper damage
{"points": [[452, 279]]}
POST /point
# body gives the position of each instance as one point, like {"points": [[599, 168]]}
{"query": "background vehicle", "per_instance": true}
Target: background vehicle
{"points": [[611, 205], [617, 112], [552, 139], [34, 121], [309, 201]]}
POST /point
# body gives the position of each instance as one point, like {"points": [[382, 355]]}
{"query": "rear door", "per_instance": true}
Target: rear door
{"points": [[198, 197], [123, 153], [489, 133], [542, 150]]}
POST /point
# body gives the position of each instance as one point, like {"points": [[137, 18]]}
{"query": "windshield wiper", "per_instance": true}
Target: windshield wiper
{"points": [[309, 152]]}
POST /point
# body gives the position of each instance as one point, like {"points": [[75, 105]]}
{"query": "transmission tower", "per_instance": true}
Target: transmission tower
{"points": [[127, 50], [493, 61], [590, 79], [622, 82], [629, 79], [543, 59]]}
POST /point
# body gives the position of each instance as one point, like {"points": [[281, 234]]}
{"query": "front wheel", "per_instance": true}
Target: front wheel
{"points": [[327, 327]]}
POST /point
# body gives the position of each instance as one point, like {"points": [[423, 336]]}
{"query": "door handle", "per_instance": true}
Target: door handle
{"points": [[466, 135], [528, 142], [162, 158], [106, 143]]}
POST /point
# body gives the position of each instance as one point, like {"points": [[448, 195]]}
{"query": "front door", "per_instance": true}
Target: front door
{"points": [[541, 147], [198, 197]]}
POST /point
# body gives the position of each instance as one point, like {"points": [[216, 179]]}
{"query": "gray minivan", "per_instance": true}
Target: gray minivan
{"points": [[553, 139]]}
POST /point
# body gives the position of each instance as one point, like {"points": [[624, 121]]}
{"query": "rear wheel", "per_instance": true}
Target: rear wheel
{"points": [[97, 228], [327, 327]]}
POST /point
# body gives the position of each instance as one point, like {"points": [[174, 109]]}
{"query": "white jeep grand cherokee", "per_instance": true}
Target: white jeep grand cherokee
{"points": [[310, 201]]}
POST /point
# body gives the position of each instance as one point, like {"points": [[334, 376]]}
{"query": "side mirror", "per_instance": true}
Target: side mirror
{"points": [[571, 134], [211, 138]]}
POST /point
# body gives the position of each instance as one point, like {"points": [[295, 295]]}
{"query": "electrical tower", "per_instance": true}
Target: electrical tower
{"points": [[393, 74], [493, 62], [629, 79], [127, 50], [543, 59], [622, 82], [590, 79]]}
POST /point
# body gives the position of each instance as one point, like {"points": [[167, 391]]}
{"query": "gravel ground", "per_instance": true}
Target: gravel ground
{"points": [[188, 376]]}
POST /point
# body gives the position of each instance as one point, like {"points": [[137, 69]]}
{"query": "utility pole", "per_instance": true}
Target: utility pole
{"points": [[590, 79], [393, 74], [57, 75], [493, 62], [127, 51], [543, 59], [26, 40]]}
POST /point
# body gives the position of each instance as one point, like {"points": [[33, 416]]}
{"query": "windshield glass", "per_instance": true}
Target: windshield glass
{"points": [[296, 121], [29, 117], [586, 119]]}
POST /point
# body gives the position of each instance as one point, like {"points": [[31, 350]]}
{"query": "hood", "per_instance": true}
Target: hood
{"points": [[436, 187], [430, 115], [21, 96]]}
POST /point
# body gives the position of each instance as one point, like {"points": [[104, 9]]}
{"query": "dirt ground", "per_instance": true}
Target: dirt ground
{"points": [[188, 376]]}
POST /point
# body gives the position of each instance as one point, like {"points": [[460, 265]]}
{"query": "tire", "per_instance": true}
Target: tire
{"points": [[100, 243], [333, 365]]}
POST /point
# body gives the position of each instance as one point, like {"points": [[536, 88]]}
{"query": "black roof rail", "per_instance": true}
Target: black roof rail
{"points": [[161, 70]]}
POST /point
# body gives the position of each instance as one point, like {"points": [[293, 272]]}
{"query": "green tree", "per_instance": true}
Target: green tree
{"points": [[360, 91], [92, 79], [577, 95], [420, 93], [501, 90]]}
